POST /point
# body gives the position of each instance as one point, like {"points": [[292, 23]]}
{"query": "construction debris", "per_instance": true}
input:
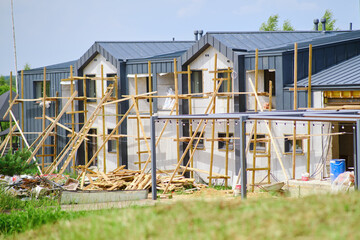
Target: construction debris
{"points": [[28, 186], [124, 179]]}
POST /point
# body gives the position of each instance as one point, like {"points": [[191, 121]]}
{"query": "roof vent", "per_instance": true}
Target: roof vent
{"points": [[323, 21], [201, 32], [196, 32], [350, 26], [316, 24]]}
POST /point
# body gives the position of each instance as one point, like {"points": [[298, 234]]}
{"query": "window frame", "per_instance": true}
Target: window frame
{"points": [[88, 82], [288, 145], [192, 81], [201, 145], [224, 83], [109, 82], [260, 146], [111, 143], [223, 143], [41, 84]]}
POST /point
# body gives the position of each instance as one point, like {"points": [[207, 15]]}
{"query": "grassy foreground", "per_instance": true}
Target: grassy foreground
{"points": [[314, 217]]}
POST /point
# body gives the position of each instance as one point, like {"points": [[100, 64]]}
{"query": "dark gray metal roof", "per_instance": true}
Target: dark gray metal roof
{"points": [[115, 51], [264, 39], [135, 50], [56, 66], [344, 74], [230, 43], [333, 37]]}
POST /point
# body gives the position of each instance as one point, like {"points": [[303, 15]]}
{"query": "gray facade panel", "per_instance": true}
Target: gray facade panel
{"points": [[33, 110]]}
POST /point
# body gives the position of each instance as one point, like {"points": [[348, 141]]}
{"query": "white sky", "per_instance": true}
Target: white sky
{"points": [[50, 32]]}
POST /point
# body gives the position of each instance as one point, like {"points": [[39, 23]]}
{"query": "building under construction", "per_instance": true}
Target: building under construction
{"points": [[95, 111]]}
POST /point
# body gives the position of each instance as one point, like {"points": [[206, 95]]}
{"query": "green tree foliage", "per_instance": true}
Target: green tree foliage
{"points": [[330, 21], [4, 87], [287, 26], [273, 23], [27, 66], [15, 164]]}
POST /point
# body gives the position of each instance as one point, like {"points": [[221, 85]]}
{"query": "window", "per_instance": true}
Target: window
{"points": [[222, 144], [201, 142], [38, 89], [269, 76], [288, 145], [109, 82], [224, 85], [111, 143], [91, 88], [260, 146], [196, 81]]}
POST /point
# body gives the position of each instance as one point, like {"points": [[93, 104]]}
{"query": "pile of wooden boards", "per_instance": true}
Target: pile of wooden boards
{"points": [[124, 179], [117, 179]]}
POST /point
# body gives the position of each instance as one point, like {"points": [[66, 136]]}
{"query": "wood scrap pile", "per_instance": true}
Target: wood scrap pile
{"points": [[118, 179], [124, 179]]}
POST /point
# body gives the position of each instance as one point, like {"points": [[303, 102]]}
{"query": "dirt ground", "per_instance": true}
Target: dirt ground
{"points": [[207, 194]]}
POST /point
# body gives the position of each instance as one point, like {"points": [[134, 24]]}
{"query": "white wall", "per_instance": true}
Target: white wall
{"points": [[94, 67], [166, 150], [206, 60]]}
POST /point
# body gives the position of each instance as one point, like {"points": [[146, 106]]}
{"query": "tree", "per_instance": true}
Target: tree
{"points": [[27, 66], [287, 26], [4, 87], [273, 22], [330, 21]]}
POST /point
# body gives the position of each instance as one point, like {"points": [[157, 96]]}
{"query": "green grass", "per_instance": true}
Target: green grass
{"points": [[9, 202], [314, 217], [17, 215]]}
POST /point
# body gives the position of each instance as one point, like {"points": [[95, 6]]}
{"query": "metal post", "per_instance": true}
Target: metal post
{"points": [[357, 156], [242, 147], [153, 156]]}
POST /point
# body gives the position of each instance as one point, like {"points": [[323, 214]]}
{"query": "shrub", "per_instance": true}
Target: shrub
{"points": [[15, 164]]}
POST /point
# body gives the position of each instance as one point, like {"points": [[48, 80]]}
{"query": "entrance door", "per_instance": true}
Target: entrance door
{"points": [[346, 145]]}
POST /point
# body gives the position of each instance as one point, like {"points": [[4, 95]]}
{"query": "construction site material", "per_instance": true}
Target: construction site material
{"points": [[124, 179], [343, 182], [84, 197], [29, 186]]}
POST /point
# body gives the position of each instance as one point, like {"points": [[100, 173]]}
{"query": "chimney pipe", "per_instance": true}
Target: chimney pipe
{"points": [[323, 21], [316, 24], [201, 32], [196, 32], [351, 26]]}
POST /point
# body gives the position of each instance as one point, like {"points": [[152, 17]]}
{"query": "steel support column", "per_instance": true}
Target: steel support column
{"points": [[243, 165], [357, 156], [153, 156]]}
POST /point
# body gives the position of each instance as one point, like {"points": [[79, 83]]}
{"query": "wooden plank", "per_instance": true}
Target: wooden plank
{"points": [[79, 138], [12, 103], [51, 126]]}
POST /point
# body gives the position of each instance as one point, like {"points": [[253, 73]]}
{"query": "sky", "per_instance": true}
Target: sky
{"points": [[50, 32]]}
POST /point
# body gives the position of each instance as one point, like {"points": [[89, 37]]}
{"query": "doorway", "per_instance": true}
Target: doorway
{"points": [[343, 145]]}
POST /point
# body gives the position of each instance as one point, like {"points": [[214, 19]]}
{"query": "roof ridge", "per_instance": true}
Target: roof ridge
{"points": [[264, 32], [145, 41]]}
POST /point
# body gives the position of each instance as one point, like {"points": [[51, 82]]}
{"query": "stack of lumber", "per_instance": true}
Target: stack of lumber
{"points": [[124, 179], [118, 179], [178, 183]]}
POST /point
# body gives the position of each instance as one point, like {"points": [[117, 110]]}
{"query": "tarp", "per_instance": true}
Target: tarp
{"points": [[4, 105]]}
